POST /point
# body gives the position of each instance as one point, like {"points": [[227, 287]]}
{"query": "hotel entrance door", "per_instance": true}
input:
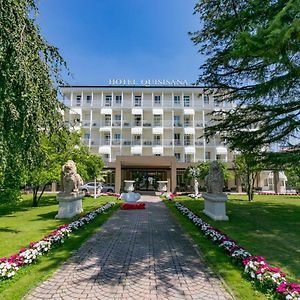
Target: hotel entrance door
{"points": [[146, 180]]}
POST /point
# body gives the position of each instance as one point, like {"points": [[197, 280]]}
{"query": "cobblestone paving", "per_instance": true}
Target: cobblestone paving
{"points": [[137, 254]]}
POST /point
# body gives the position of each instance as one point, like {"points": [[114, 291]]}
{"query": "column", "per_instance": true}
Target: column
{"points": [[276, 182], [118, 176]]}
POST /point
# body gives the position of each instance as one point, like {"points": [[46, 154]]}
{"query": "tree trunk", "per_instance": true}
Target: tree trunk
{"points": [[34, 196], [41, 194], [249, 186]]}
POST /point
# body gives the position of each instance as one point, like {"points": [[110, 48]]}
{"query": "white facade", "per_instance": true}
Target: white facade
{"points": [[145, 121]]}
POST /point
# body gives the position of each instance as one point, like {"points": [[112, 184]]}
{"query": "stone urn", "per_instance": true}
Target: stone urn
{"points": [[70, 198], [129, 185], [129, 196], [162, 186]]}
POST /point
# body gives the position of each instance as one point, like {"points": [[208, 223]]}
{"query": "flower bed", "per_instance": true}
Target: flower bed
{"points": [[10, 265], [256, 267]]}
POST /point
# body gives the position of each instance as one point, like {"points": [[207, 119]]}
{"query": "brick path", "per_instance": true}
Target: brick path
{"points": [[137, 254]]}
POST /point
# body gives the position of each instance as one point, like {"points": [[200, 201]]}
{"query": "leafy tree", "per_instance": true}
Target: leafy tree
{"points": [[55, 152], [201, 170], [253, 60], [293, 176], [247, 166], [29, 76]]}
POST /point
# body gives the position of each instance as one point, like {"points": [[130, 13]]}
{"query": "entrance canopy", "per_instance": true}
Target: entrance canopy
{"points": [[166, 163]]}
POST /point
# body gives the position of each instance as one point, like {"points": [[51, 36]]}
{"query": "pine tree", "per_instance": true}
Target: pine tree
{"points": [[254, 60]]}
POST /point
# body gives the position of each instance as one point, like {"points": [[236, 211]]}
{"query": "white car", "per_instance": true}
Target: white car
{"points": [[89, 188]]}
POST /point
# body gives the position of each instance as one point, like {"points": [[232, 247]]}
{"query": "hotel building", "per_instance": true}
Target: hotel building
{"points": [[146, 132]]}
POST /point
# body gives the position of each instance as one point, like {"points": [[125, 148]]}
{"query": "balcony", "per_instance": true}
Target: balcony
{"points": [[116, 142], [177, 124], [147, 143], [116, 124], [105, 143], [136, 143]]}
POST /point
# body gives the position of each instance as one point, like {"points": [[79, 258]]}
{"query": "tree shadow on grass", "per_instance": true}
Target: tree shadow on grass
{"points": [[6, 229], [25, 204]]}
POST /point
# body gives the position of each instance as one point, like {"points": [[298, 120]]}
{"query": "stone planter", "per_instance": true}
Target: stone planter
{"points": [[70, 205], [162, 186], [129, 185], [215, 206]]}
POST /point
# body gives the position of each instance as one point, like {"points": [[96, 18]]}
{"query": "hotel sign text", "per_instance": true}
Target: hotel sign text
{"points": [[148, 82]]}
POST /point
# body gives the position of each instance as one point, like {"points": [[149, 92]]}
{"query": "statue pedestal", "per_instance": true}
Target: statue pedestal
{"points": [[70, 205], [215, 206], [162, 186]]}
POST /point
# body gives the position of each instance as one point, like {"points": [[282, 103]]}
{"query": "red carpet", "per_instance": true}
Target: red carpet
{"points": [[139, 205]]}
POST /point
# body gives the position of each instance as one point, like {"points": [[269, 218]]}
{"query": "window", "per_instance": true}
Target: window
{"points": [[137, 140], [266, 182], [137, 120], [88, 99], [137, 100], [117, 139], [187, 158], [108, 100], [187, 121], [218, 157], [216, 101], [177, 156], [156, 99], [107, 139], [117, 121], [107, 120], [78, 100], [207, 155], [206, 99], [157, 140], [106, 156], [86, 136], [187, 140], [177, 139], [157, 120], [186, 101], [177, 121], [118, 99], [176, 100]]}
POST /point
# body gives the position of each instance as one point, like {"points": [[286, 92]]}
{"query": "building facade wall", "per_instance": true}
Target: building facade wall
{"points": [[147, 121]]}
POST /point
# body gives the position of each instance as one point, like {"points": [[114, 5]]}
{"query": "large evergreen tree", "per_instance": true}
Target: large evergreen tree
{"points": [[253, 58], [29, 69]]}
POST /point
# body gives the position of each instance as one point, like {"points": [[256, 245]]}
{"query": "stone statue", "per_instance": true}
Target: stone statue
{"points": [[214, 181], [70, 179], [214, 198], [70, 199]]}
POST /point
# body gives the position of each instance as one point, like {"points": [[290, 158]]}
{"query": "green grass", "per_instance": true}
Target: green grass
{"points": [[23, 224], [269, 226]]}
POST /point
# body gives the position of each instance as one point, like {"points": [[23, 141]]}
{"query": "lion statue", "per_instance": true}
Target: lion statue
{"points": [[214, 181], [70, 179]]}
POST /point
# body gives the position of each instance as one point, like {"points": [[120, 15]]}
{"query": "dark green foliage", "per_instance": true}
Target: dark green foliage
{"points": [[29, 70], [253, 57]]}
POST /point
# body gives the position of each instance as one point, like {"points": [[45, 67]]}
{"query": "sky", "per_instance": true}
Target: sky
{"points": [[123, 39]]}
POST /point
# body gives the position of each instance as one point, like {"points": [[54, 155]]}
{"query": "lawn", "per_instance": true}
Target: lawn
{"points": [[22, 224], [268, 226]]}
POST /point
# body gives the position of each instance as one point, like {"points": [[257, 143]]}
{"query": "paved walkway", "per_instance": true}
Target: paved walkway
{"points": [[137, 254]]}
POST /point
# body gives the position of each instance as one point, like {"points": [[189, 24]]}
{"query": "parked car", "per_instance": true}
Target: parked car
{"points": [[89, 187], [107, 188]]}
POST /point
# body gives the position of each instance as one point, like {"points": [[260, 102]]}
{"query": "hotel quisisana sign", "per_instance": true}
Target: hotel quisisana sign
{"points": [[147, 82]]}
